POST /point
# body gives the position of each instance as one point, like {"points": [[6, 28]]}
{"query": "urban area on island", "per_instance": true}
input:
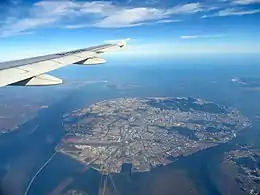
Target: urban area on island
{"points": [[146, 133]]}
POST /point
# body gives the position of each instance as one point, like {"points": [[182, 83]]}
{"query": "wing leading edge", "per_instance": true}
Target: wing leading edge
{"points": [[30, 72]]}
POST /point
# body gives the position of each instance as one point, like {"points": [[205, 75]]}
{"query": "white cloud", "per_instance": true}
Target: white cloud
{"points": [[167, 21], [131, 17], [53, 8], [41, 14], [189, 36], [202, 36], [127, 17], [24, 26], [102, 14], [102, 8], [76, 26], [186, 8], [232, 12], [245, 2]]}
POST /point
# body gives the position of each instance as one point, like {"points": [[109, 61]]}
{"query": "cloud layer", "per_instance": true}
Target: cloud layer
{"points": [[232, 12], [246, 2], [106, 14], [102, 14]]}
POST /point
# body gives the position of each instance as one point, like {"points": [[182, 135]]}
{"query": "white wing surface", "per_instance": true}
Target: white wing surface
{"points": [[31, 71]]}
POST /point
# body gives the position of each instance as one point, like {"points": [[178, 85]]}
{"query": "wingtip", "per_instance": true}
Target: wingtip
{"points": [[119, 42], [123, 43]]}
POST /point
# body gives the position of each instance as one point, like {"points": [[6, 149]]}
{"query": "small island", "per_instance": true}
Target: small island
{"points": [[246, 161], [247, 83], [146, 132]]}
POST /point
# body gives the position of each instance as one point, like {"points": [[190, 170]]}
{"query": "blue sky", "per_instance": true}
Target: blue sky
{"points": [[156, 27]]}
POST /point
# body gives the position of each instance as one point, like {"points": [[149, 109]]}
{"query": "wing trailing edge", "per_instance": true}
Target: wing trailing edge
{"points": [[40, 80], [91, 61]]}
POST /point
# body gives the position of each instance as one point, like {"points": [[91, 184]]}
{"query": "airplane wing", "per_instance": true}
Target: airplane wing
{"points": [[31, 71]]}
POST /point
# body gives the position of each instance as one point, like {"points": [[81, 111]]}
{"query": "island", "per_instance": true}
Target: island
{"points": [[245, 161], [140, 134], [249, 83]]}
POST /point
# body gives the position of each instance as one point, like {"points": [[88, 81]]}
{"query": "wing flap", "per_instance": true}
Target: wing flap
{"points": [[91, 61], [40, 80], [13, 75]]}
